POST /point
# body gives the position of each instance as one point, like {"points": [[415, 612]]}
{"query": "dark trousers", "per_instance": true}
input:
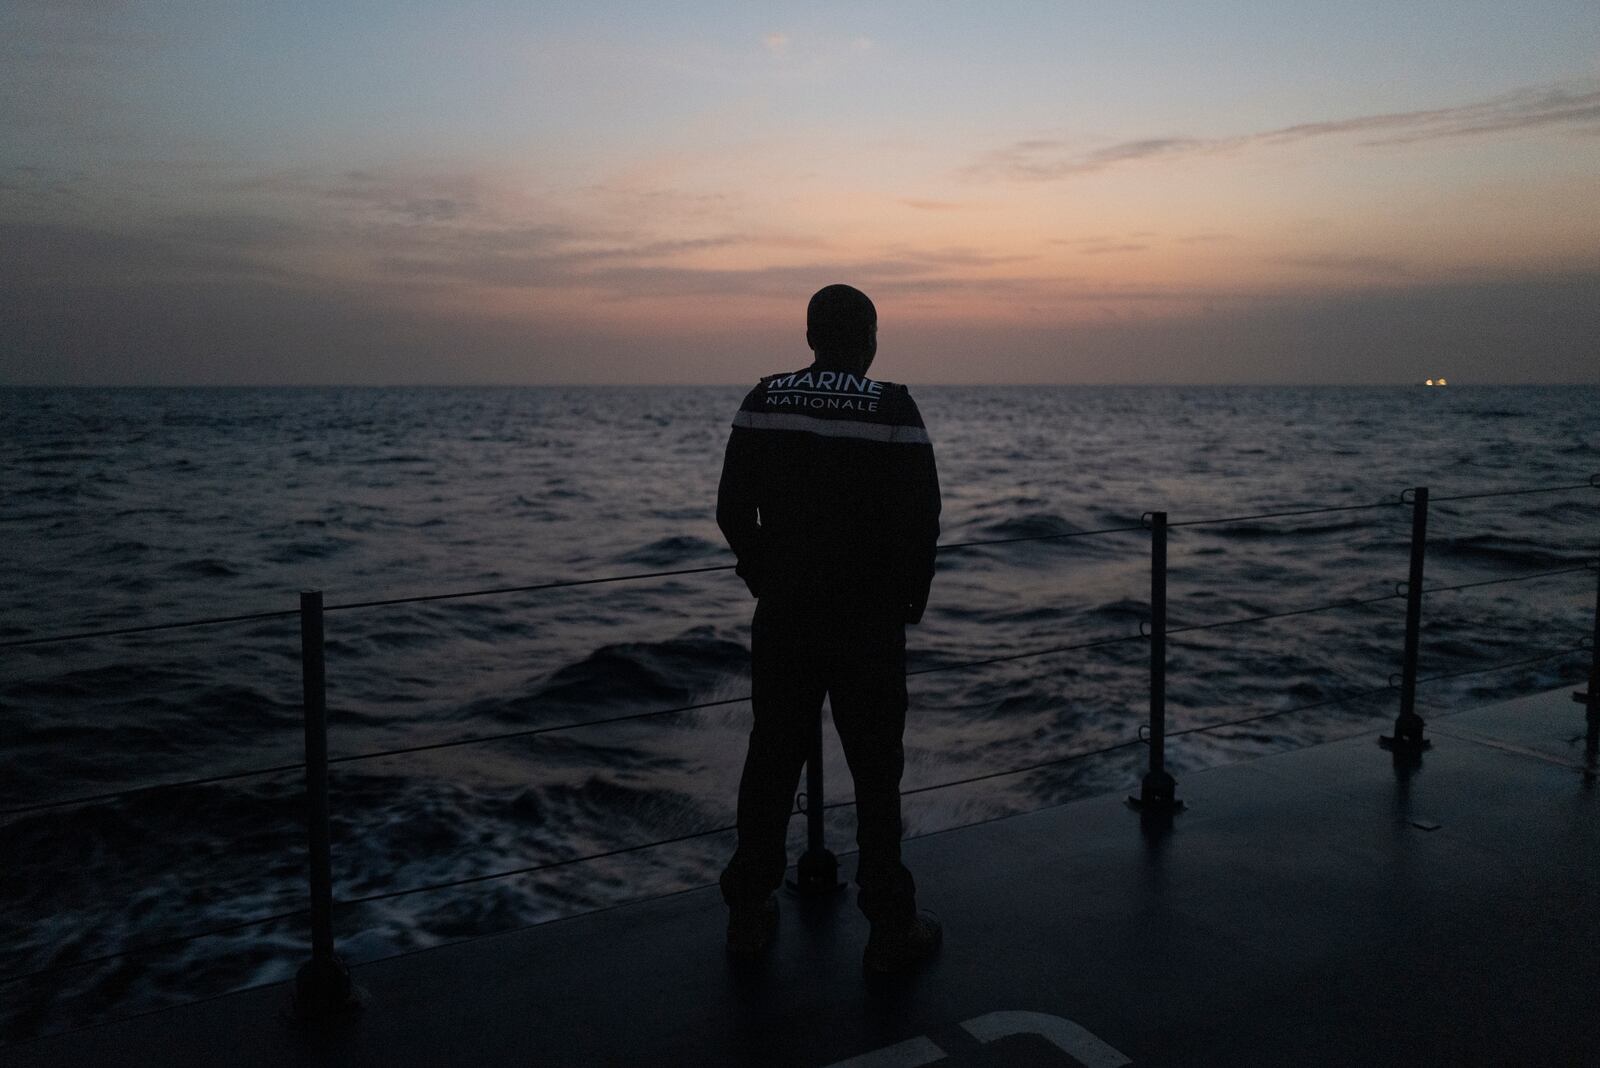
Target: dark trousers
{"points": [[859, 663]]}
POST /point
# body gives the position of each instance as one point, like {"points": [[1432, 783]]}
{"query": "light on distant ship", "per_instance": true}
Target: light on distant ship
{"points": [[1442, 382], [1429, 382]]}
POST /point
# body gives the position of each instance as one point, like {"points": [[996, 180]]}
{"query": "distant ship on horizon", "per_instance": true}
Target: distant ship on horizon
{"points": [[1436, 382]]}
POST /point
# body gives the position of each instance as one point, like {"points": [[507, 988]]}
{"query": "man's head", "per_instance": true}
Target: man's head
{"points": [[842, 328]]}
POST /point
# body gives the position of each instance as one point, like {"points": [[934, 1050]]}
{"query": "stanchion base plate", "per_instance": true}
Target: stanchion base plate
{"points": [[324, 993], [1139, 804], [817, 874], [1404, 745]]}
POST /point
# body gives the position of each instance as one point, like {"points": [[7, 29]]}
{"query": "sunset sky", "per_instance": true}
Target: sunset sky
{"points": [[381, 193]]}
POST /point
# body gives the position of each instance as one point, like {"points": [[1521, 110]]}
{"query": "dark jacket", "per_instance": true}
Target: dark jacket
{"points": [[829, 496]]}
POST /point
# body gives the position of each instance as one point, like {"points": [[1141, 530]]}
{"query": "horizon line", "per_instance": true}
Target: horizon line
{"points": [[746, 384]]}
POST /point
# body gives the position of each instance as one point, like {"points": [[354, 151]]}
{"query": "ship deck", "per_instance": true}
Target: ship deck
{"points": [[1321, 906]]}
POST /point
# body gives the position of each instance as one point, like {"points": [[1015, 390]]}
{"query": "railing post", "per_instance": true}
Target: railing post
{"points": [[1158, 792], [1407, 738], [1590, 698], [322, 986], [818, 870]]}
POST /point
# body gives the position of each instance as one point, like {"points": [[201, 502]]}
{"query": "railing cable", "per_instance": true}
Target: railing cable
{"points": [[528, 732], [693, 835], [531, 868], [1039, 537], [638, 576], [1282, 515], [1591, 484], [1359, 695], [1009, 771], [651, 713], [1120, 745], [113, 795], [16, 643], [547, 865], [1374, 692], [531, 732], [1095, 644], [494, 591], [1506, 664], [147, 947], [1513, 578], [1332, 606]]}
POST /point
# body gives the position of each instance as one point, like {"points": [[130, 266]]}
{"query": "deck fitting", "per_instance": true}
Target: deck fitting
{"points": [[817, 873], [324, 991]]}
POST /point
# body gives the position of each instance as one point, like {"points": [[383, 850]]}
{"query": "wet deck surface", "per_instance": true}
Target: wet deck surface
{"points": [[1315, 907]]}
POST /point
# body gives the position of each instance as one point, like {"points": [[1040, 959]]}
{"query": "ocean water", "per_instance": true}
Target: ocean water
{"points": [[125, 507]]}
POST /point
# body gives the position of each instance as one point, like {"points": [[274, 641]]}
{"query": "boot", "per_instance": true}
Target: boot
{"points": [[903, 946], [751, 928]]}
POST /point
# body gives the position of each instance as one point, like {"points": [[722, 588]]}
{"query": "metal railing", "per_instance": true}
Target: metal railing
{"points": [[323, 984]]}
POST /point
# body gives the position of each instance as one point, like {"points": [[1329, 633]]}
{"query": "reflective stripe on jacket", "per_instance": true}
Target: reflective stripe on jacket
{"points": [[829, 495]]}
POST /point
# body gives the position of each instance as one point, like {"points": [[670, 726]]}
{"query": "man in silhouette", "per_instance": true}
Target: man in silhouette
{"points": [[830, 500]]}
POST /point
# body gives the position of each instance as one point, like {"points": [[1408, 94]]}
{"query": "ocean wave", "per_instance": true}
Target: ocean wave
{"points": [[593, 806], [122, 550], [1494, 549], [22, 518], [1044, 532], [114, 680], [1027, 525], [59, 492], [588, 486], [672, 671], [151, 510], [240, 710], [1122, 610], [409, 638], [297, 551], [204, 568], [1294, 528], [672, 550]]}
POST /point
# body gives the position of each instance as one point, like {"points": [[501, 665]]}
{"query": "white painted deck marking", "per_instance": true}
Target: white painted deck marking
{"points": [[912, 1053], [1073, 1039]]}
